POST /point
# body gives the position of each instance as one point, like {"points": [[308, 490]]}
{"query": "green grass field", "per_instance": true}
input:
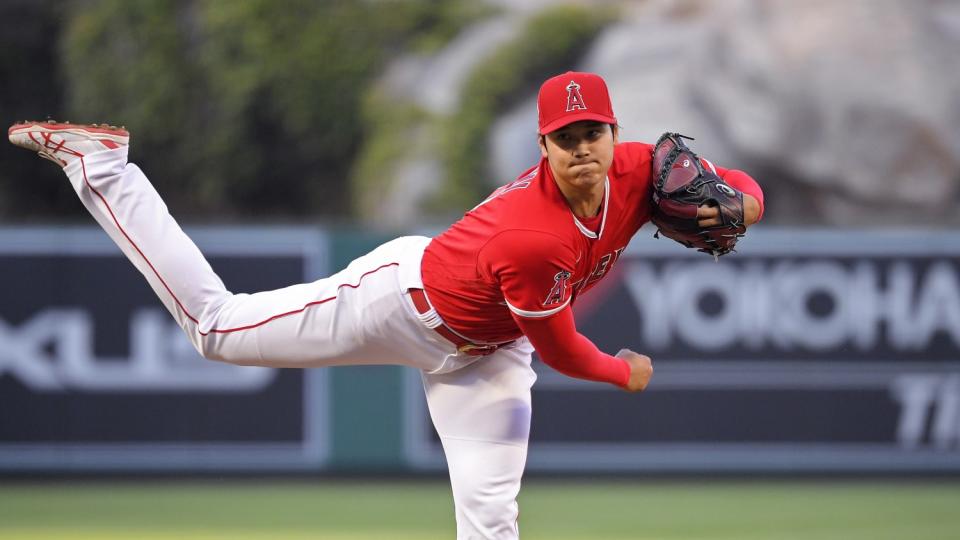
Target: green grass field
{"points": [[364, 510]]}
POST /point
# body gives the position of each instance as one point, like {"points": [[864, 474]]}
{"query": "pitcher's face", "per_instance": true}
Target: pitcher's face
{"points": [[580, 154]]}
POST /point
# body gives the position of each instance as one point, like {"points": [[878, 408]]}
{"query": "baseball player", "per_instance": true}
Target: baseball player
{"points": [[466, 308]]}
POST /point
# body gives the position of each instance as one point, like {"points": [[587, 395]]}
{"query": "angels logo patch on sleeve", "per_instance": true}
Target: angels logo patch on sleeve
{"points": [[558, 292]]}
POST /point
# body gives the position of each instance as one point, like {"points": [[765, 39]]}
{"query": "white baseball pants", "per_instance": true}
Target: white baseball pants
{"points": [[480, 406]]}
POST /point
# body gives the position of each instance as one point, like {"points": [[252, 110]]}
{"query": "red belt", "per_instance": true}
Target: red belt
{"points": [[465, 346]]}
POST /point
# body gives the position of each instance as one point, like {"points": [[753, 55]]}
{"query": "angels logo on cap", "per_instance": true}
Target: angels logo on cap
{"points": [[563, 100], [574, 99]]}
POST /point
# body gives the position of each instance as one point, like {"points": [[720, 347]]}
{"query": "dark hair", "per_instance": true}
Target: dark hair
{"points": [[612, 128]]}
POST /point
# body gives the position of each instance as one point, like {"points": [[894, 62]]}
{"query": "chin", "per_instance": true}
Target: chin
{"points": [[590, 178]]}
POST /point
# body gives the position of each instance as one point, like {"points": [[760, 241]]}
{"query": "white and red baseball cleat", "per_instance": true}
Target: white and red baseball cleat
{"points": [[63, 143]]}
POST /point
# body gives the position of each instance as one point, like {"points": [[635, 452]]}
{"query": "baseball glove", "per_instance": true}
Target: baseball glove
{"points": [[681, 186]]}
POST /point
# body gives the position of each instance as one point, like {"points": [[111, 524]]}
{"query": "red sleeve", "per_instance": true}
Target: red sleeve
{"points": [[740, 181], [533, 269], [570, 352]]}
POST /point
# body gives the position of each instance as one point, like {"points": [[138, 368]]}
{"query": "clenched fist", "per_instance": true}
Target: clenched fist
{"points": [[641, 369]]}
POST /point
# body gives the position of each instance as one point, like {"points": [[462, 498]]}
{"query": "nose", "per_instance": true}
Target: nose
{"points": [[581, 148]]}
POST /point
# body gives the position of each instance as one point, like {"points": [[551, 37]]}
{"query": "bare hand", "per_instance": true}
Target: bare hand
{"points": [[641, 369], [709, 216]]}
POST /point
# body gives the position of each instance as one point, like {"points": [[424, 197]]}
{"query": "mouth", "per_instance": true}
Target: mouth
{"points": [[588, 168]]}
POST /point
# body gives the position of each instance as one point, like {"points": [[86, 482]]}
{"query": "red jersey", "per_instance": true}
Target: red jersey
{"points": [[522, 254], [523, 250]]}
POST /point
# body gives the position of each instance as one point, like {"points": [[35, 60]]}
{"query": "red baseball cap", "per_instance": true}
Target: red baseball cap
{"points": [[572, 97]]}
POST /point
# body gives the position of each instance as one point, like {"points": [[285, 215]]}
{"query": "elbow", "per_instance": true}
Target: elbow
{"points": [[564, 368]]}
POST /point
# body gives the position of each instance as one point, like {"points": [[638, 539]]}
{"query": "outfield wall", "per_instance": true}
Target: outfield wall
{"points": [[806, 352]]}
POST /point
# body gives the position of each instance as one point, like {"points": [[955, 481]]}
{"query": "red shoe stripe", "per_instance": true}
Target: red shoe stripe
{"points": [[59, 146], [180, 304], [43, 145], [46, 143], [85, 127]]}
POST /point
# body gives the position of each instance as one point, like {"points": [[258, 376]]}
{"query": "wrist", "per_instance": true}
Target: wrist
{"points": [[751, 209]]}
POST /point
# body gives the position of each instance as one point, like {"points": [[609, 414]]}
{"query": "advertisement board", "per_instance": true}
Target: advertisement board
{"points": [[805, 351], [96, 375]]}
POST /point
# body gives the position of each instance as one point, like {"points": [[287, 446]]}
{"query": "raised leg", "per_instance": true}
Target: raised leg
{"points": [[356, 316]]}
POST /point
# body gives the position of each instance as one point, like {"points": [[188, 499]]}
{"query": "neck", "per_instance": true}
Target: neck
{"points": [[583, 201]]}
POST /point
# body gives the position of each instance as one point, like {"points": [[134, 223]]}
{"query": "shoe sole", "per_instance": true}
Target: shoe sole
{"points": [[94, 131]]}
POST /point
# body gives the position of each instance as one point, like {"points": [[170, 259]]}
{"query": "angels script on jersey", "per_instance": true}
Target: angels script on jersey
{"points": [[520, 183]]}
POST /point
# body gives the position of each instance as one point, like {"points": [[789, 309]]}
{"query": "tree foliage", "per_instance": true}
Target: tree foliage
{"points": [[31, 87], [235, 108], [551, 42]]}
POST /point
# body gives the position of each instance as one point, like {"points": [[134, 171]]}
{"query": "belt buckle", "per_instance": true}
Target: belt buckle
{"points": [[473, 348]]}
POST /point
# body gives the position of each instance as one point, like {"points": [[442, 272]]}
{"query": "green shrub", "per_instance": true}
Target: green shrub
{"points": [[391, 123], [391, 128], [242, 106], [551, 43]]}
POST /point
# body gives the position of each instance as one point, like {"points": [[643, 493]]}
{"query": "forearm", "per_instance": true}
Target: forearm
{"points": [[564, 349], [742, 181]]}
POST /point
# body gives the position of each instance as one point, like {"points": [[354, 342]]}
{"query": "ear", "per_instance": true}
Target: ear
{"points": [[616, 133], [543, 145]]}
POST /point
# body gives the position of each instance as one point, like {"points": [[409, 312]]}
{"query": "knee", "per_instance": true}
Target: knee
{"points": [[483, 516], [225, 349], [216, 355], [209, 349], [216, 352], [486, 481], [235, 348]]}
